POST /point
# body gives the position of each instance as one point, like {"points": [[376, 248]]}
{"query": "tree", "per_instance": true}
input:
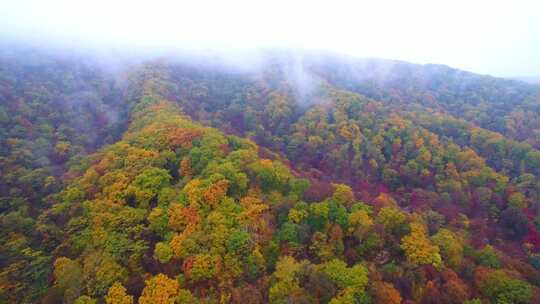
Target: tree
{"points": [[343, 195], [117, 295], [85, 300], [359, 223], [62, 149], [355, 277], [451, 248], [517, 200], [163, 252], [319, 285], [514, 223], [392, 219], [350, 280], [499, 288], [272, 175], [454, 290], [158, 221], [488, 257], [159, 290], [216, 192], [68, 278], [319, 245], [418, 248], [289, 233], [434, 221], [431, 294], [101, 271], [533, 161], [252, 215], [181, 217], [298, 213], [185, 168], [185, 297], [239, 242], [287, 285], [335, 239], [298, 187], [384, 292], [201, 267], [318, 215], [238, 181], [148, 184], [182, 138]]}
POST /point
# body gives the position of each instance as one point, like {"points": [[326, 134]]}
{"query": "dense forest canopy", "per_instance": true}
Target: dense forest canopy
{"points": [[277, 177]]}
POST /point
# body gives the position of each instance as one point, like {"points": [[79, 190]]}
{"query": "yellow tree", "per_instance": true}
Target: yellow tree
{"points": [[359, 223], [287, 284], [343, 194], [117, 295], [419, 249], [159, 290]]}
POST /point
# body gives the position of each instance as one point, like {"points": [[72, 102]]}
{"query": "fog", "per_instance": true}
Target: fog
{"points": [[501, 38]]}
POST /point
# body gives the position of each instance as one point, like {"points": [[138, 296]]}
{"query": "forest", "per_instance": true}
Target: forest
{"points": [[298, 177]]}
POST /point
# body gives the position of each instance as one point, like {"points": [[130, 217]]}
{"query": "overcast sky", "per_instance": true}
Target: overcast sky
{"points": [[501, 38]]}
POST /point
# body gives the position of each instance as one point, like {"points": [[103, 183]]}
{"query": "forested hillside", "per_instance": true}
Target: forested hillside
{"points": [[293, 178]]}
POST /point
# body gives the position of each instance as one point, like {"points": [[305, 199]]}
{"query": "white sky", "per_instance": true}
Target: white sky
{"points": [[495, 37]]}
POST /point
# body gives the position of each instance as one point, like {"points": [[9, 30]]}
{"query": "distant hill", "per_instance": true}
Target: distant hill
{"points": [[529, 79]]}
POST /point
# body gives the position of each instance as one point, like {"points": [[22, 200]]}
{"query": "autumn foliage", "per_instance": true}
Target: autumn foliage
{"points": [[208, 186]]}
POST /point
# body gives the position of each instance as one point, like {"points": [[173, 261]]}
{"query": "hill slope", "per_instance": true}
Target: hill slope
{"points": [[304, 178]]}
